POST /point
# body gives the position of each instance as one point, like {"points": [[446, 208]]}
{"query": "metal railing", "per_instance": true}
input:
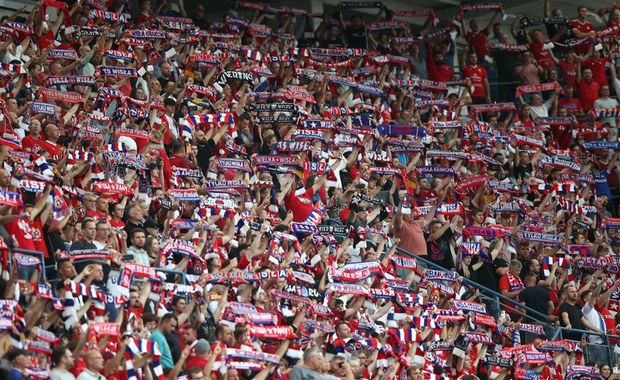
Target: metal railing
{"points": [[606, 346], [495, 296], [485, 292]]}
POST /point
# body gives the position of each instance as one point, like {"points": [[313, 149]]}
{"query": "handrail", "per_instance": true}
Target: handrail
{"points": [[531, 313], [558, 333], [605, 345]]}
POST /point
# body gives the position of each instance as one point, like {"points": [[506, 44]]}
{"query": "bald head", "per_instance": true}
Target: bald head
{"points": [[94, 360], [51, 131]]}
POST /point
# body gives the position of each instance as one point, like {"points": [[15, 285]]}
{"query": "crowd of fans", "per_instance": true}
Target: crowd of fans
{"points": [[285, 194]]}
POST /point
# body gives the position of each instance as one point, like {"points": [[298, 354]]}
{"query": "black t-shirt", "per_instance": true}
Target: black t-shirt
{"points": [[535, 298], [175, 347], [574, 317], [506, 62], [554, 28], [524, 171], [206, 150], [439, 250], [520, 37], [356, 37], [332, 43], [486, 275]]}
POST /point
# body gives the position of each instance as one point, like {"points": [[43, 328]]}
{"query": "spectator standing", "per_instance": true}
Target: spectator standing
{"points": [[63, 361], [582, 29], [94, 365], [477, 74]]}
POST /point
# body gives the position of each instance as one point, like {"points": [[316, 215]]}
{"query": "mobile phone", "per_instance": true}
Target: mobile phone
{"points": [[615, 370], [128, 257]]}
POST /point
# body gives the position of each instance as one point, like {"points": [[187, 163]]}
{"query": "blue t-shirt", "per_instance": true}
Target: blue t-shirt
{"points": [[15, 374], [164, 349], [602, 186]]}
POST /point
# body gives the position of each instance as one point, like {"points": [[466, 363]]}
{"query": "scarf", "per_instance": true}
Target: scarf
{"points": [[125, 72], [49, 95], [537, 88], [469, 306], [514, 282], [136, 346]]}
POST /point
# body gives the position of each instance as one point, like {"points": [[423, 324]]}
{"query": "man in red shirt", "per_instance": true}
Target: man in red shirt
{"points": [[510, 285], [598, 65], [437, 69], [568, 66], [477, 39], [478, 77], [582, 29], [588, 88], [300, 201], [33, 140], [50, 145], [570, 103], [537, 46]]}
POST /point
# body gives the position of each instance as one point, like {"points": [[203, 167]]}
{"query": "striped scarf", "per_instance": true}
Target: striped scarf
{"points": [[142, 346]]}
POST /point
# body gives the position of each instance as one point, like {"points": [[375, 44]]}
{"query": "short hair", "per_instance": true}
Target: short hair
{"points": [[585, 294], [516, 264], [310, 352], [337, 326], [476, 210], [177, 146], [167, 317], [85, 222], [176, 299], [193, 371], [149, 317], [58, 353], [220, 328], [137, 230]]}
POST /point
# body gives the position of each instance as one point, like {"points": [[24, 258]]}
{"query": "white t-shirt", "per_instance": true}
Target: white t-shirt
{"points": [[57, 374], [596, 320]]}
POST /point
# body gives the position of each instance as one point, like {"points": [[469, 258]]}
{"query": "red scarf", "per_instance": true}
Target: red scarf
{"points": [[514, 282]]}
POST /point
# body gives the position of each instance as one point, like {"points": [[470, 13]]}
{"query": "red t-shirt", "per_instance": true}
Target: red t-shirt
{"points": [[97, 215], [583, 27], [572, 104], [478, 42], [22, 232], [439, 73], [36, 227], [477, 74], [562, 135], [301, 205], [32, 144], [53, 149], [142, 18], [598, 69], [588, 93], [179, 162], [542, 56], [569, 72]]}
